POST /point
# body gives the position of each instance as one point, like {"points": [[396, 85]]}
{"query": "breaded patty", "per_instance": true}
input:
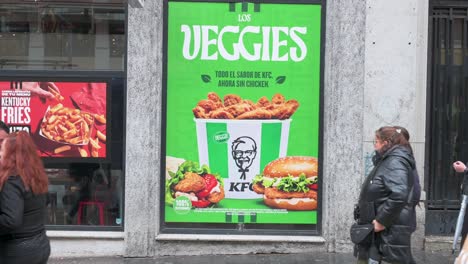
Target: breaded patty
{"points": [[215, 197], [258, 188], [191, 183]]}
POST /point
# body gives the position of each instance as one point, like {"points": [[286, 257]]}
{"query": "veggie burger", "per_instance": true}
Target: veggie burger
{"points": [[202, 187], [289, 183]]}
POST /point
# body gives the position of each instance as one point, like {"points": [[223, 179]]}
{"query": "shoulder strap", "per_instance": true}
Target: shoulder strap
{"points": [[369, 178], [410, 195]]}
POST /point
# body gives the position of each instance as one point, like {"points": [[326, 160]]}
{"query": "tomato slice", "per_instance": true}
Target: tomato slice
{"points": [[313, 186], [210, 183], [201, 203], [203, 193]]}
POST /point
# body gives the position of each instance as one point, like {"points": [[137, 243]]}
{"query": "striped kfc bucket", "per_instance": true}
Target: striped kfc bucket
{"points": [[239, 150]]}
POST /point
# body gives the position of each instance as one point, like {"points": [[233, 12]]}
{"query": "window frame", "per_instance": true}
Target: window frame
{"points": [[84, 76]]}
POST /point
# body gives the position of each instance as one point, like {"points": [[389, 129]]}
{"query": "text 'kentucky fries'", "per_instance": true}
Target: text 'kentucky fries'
{"points": [[67, 125]]}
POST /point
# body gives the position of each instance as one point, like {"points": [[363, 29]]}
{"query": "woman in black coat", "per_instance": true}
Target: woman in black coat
{"points": [[23, 190], [386, 198]]}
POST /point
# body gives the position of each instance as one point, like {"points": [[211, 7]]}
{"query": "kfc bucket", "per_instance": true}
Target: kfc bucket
{"points": [[239, 149]]}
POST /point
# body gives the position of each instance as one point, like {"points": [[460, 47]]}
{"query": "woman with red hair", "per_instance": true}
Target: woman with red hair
{"points": [[23, 194]]}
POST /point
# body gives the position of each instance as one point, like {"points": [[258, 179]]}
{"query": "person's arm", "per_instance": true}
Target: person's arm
{"points": [[38, 89], [11, 206], [397, 183]]}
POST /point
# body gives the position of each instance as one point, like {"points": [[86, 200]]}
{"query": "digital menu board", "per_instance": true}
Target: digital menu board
{"points": [[65, 119]]}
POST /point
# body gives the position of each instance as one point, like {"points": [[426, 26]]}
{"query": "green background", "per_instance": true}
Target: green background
{"points": [[185, 86]]}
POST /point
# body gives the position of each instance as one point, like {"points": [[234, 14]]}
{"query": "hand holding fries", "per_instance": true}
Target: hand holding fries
{"points": [[54, 90], [44, 90]]}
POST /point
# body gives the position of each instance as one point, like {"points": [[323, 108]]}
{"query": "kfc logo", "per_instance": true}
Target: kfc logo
{"points": [[244, 150]]}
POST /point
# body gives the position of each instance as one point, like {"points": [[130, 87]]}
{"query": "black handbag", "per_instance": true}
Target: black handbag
{"points": [[361, 234]]}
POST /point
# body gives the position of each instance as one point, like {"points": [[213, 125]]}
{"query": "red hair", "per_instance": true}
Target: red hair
{"points": [[21, 158]]}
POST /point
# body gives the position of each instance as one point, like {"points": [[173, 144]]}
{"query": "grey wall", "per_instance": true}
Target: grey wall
{"points": [[395, 77], [343, 117], [355, 78], [143, 132], [375, 76]]}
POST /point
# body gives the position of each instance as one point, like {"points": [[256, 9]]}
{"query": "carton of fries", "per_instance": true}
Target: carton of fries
{"points": [[67, 126]]}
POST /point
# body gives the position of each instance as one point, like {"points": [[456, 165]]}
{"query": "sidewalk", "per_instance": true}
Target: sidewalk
{"points": [[309, 258]]}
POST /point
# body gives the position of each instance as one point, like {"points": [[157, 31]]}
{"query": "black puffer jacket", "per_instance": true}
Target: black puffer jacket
{"points": [[385, 196], [22, 233]]}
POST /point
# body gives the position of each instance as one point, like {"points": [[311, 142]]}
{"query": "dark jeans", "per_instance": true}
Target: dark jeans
{"points": [[31, 250]]}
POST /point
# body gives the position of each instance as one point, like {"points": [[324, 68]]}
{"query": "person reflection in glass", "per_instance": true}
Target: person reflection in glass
{"points": [[86, 176]]}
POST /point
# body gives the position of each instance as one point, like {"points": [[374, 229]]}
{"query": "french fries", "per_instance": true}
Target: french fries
{"points": [[94, 147], [83, 152], [100, 118], [74, 127], [61, 149], [101, 136], [67, 125], [54, 90], [94, 143], [94, 153]]}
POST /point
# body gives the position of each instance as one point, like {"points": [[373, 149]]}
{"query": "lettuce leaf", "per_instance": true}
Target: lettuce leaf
{"points": [[290, 184], [287, 184]]}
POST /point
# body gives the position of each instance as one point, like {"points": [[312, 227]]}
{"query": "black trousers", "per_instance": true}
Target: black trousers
{"points": [[31, 250]]}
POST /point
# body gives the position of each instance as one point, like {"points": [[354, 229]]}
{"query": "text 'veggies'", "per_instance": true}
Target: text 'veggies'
{"points": [[198, 37]]}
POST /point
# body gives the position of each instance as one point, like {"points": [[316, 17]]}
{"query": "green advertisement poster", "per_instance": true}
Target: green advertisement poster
{"points": [[242, 114]]}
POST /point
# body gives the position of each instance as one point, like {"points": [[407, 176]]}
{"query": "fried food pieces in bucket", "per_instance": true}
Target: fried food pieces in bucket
{"points": [[234, 107]]}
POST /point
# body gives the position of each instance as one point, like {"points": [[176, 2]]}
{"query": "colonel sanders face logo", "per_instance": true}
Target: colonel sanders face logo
{"points": [[244, 150]]}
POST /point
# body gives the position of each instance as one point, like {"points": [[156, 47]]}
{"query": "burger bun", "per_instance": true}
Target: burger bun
{"points": [[301, 205], [292, 165]]}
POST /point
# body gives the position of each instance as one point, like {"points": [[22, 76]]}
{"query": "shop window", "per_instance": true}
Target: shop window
{"points": [[79, 136], [88, 191], [45, 36], [75, 51], [85, 194]]}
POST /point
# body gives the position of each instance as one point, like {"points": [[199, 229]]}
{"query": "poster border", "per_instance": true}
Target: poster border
{"points": [[242, 228]]}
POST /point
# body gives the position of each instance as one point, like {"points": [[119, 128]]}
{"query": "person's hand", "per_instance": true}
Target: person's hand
{"points": [[44, 90], [459, 166], [378, 227], [38, 89]]}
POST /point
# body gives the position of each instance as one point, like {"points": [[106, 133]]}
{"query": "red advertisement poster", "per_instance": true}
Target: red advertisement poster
{"points": [[65, 119]]}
